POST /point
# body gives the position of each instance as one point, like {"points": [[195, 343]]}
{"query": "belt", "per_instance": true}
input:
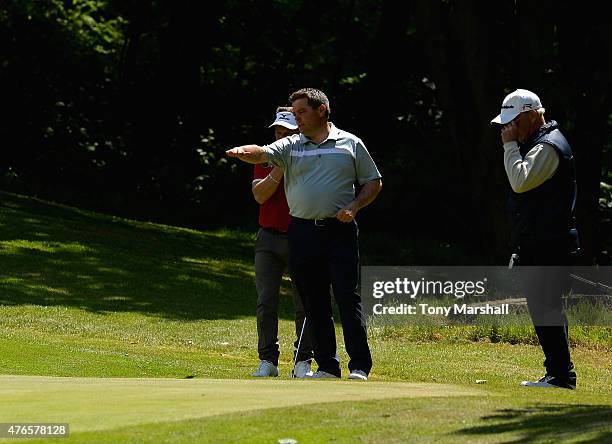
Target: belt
{"points": [[274, 231], [323, 222]]}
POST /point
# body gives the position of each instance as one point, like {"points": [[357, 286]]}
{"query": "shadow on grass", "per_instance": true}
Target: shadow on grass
{"points": [[550, 423], [55, 255]]}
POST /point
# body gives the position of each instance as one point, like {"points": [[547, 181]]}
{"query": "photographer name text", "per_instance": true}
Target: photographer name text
{"points": [[427, 309]]}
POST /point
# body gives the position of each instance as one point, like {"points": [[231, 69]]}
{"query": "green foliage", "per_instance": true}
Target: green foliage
{"points": [[353, 80], [87, 23], [605, 201], [128, 106]]}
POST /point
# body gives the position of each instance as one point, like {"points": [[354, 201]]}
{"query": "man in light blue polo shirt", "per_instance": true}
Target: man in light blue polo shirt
{"points": [[322, 165], [320, 178]]}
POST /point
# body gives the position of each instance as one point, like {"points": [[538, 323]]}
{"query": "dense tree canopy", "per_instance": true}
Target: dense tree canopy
{"points": [[128, 106]]}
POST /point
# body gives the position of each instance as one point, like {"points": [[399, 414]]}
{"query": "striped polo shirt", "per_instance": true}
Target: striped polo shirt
{"points": [[320, 178]]}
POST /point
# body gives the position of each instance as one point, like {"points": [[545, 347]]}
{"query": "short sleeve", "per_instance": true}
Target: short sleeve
{"points": [[260, 172], [365, 166], [279, 152]]}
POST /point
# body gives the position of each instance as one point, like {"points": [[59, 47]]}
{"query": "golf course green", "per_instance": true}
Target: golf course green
{"points": [[108, 403]]}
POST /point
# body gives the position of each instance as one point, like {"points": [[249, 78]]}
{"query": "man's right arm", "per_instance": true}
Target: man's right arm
{"points": [[249, 153], [275, 153], [531, 171]]}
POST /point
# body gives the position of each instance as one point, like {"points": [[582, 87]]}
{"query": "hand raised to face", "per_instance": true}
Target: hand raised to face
{"points": [[509, 132]]}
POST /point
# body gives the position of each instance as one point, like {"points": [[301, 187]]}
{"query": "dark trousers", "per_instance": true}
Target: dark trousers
{"points": [[271, 259], [546, 280], [320, 256]]}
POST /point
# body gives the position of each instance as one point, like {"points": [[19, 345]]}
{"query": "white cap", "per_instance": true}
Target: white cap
{"points": [[286, 119], [517, 102]]}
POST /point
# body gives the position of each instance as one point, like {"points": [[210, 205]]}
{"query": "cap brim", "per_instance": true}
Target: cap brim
{"points": [[284, 124], [502, 119]]}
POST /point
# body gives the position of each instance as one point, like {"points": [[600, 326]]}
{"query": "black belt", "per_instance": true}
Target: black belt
{"points": [[274, 231], [323, 222]]}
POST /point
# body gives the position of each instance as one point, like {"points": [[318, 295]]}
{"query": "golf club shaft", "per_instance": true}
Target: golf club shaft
{"points": [[297, 352], [597, 285]]}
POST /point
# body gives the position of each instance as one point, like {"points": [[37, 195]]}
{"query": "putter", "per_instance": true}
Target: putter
{"points": [[298, 349]]}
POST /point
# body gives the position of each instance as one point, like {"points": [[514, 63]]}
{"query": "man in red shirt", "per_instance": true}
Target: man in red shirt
{"points": [[271, 259]]}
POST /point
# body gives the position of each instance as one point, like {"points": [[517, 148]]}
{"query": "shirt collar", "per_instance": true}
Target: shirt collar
{"points": [[334, 134]]}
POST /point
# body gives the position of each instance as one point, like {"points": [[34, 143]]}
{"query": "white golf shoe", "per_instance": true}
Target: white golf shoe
{"points": [[266, 368], [320, 374], [302, 370], [548, 382], [359, 375]]}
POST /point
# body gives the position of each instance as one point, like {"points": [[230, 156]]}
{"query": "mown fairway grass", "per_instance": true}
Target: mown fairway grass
{"points": [[90, 296]]}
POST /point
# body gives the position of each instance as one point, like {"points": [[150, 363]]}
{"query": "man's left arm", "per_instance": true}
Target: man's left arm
{"points": [[366, 196], [367, 174]]}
